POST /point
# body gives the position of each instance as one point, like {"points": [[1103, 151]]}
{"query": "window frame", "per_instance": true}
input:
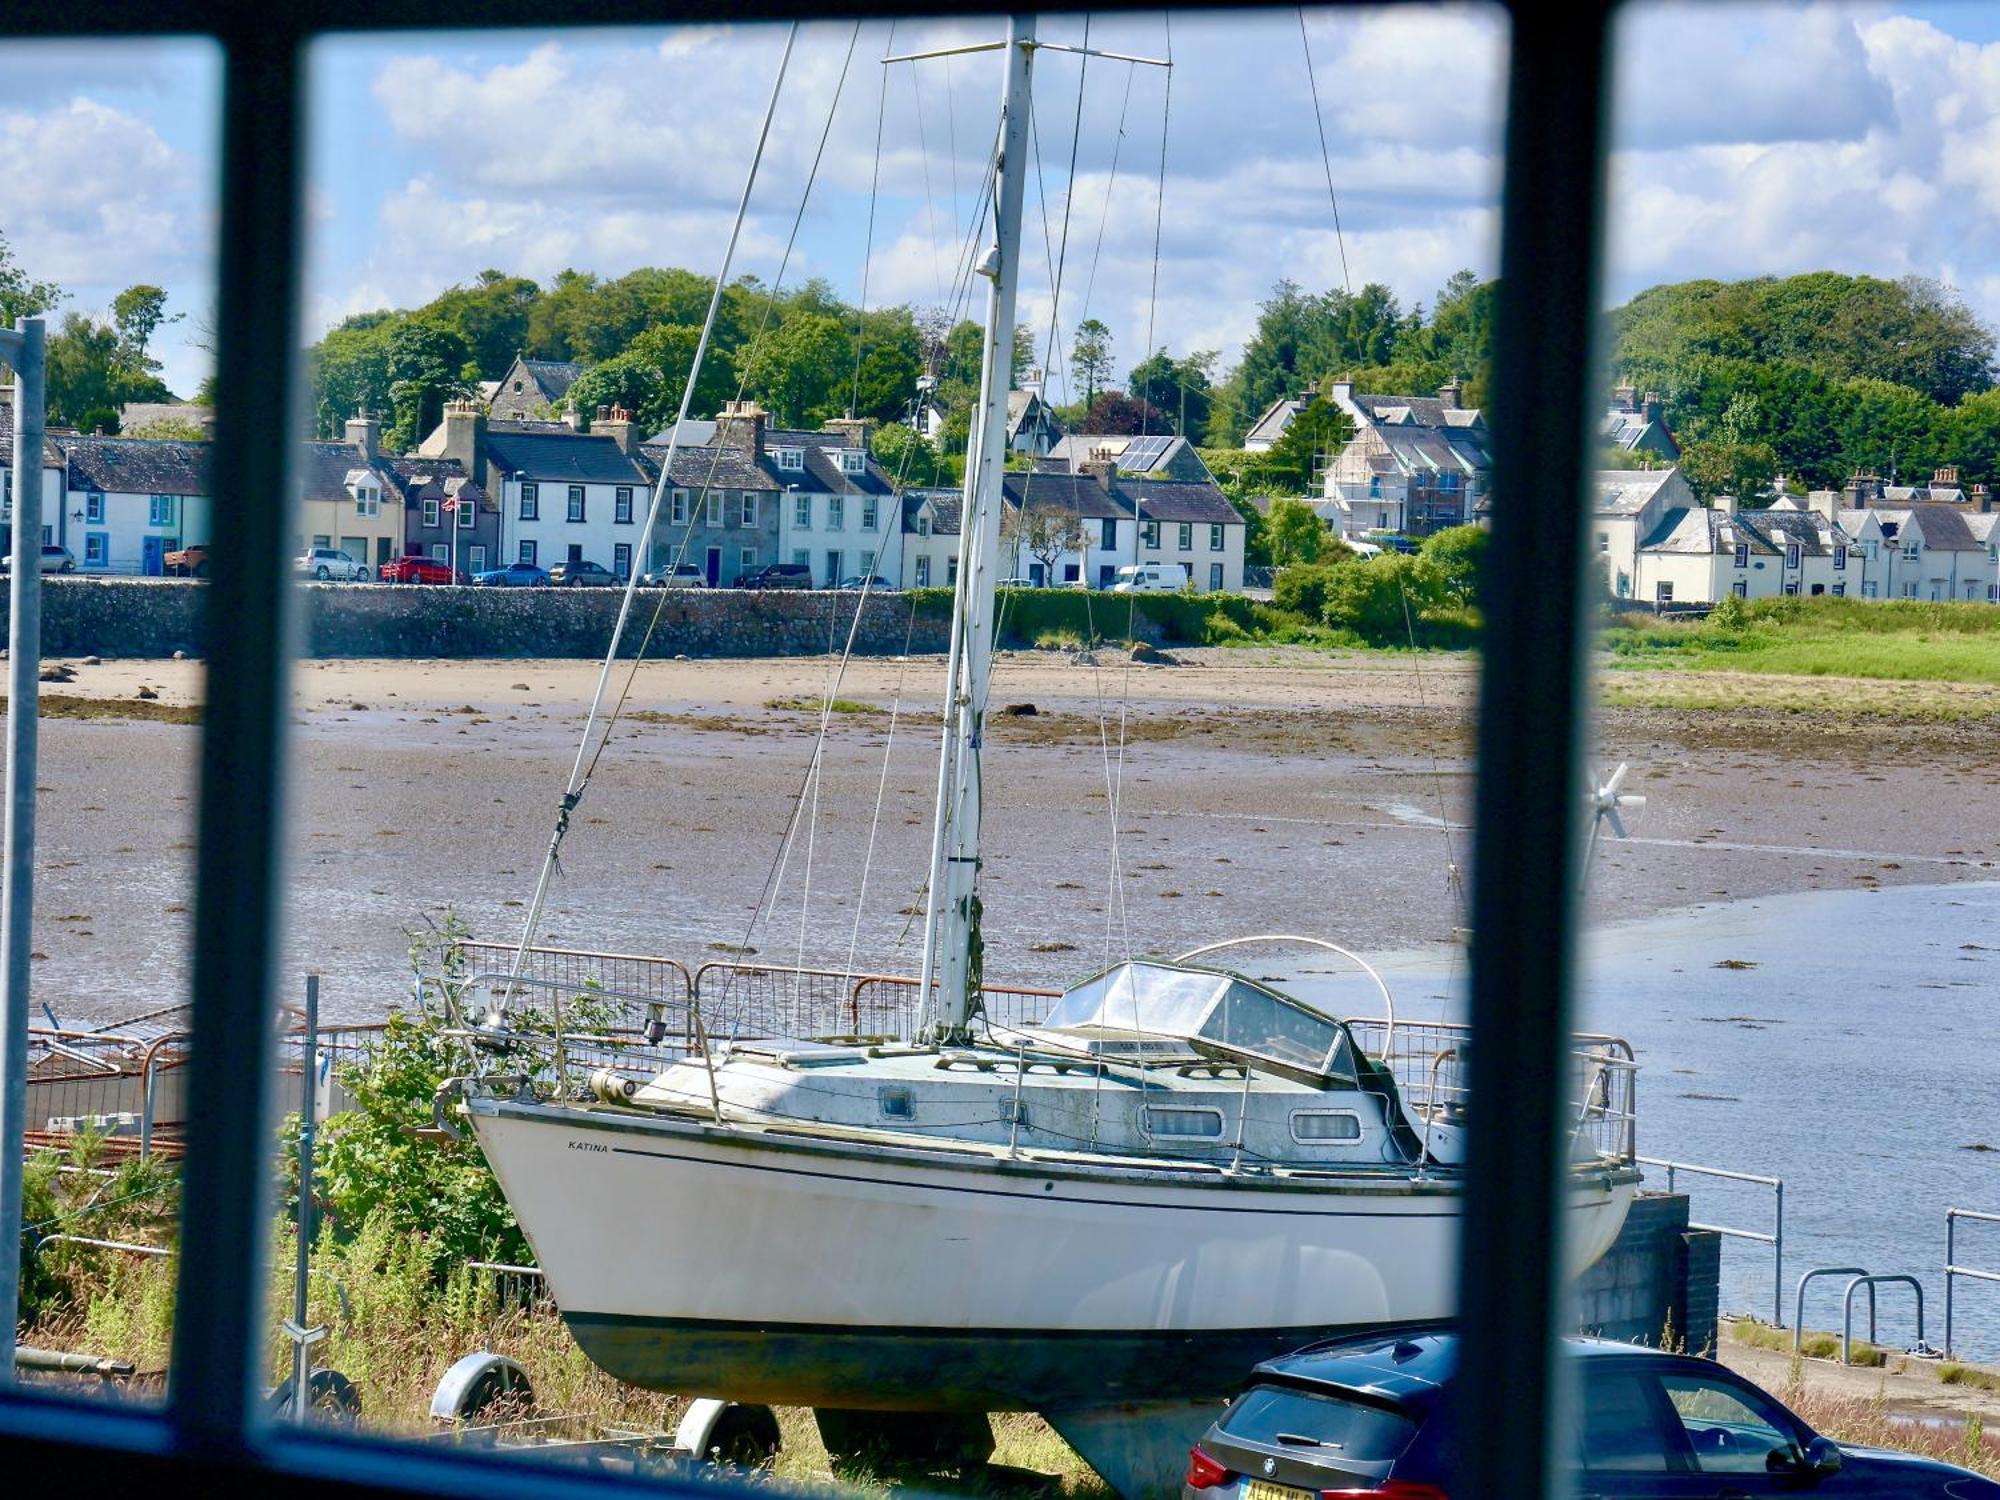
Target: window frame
{"points": [[621, 505], [531, 500], [576, 504], [1530, 720]]}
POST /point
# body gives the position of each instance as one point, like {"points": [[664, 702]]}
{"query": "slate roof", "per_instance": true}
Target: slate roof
{"points": [[1079, 492], [1624, 492], [554, 376], [323, 468], [1980, 524], [1141, 455], [1944, 529], [561, 457], [1277, 417], [414, 476], [1020, 406], [1420, 411], [1699, 531], [947, 510], [142, 466], [821, 466], [1150, 500], [1627, 429], [1178, 500], [712, 468], [52, 457]]}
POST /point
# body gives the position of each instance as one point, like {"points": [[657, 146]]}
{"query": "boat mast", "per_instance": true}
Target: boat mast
{"points": [[952, 944]]}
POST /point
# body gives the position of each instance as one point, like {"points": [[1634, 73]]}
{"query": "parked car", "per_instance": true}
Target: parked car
{"points": [[1364, 550], [874, 582], [583, 573], [778, 576], [1018, 583], [326, 563], [1151, 578], [1370, 1415], [685, 575], [54, 560], [415, 568], [516, 575], [189, 562]]}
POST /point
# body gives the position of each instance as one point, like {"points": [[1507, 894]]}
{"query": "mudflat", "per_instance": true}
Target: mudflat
{"points": [[1262, 790]]}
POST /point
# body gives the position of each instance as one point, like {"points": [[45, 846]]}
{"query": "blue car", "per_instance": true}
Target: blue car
{"points": [[516, 575], [1371, 1415]]}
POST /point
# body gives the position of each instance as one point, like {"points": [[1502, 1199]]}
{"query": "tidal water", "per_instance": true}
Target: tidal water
{"points": [[1848, 1042]]}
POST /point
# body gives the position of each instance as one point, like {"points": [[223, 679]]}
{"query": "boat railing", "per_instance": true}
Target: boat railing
{"points": [[748, 999], [631, 973], [1430, 1061]]}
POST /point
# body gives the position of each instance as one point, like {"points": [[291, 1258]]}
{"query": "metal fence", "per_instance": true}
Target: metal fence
{"points": [[1775, 1238], [1953, 1271]]}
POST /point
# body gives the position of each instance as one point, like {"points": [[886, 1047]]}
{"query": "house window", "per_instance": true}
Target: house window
{"points": [[802, 512], [1187, 536], [746, 559], [1792, 587], [475, 560], [714, 508], [621, 505], [867, 564], [1603, 541], [1839, 558], [1912, 550], [440, 552], [871, 514], [792, 460], [1740, 588], [1909, 591], [853, 461], [1663, 593], [1792, 555], [923, 572], [160, 510], [576, 502], [749, 508], [430, 511], [1869, 588], [835, 512], [1215, 536], [93, 507], [96, 549], [678, 509], [528, 552], [1108, 533], [322, 541], [1742, 554], [1214, 577], [801, 557], [923, 525], [1149, 533], [467, 512], [951, 572], [531, 506], [1840, 591], [1874, 550]]}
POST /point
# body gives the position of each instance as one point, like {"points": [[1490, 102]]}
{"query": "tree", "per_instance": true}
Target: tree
{"points": [[1460, 554], [84, 389], [1090, 359], [1294, 463], [138, 313], [1179, 387], [1744, 470], [348, 370], [797, 369], [667, 351], [1045, 530], [909, 458], [1117, 414], [426, 368], [21, 296], [626, 380], [491, 316], [1383, 599], [1294, 532]]}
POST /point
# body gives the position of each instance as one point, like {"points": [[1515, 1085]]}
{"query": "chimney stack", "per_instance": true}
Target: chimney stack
{"points": [[1032, 383], [1099, 466], [365, 433], [1982, 500], [1945, 478], [465, 437], [616, 423], [1725, 504], [1452, 392], [1624, 396], [1655, 409], [740, 425], [853, 429]]}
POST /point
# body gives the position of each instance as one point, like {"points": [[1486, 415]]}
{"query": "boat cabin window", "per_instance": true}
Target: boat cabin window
{"points": [[897, 1104], [1255, 1021], [1325, 1125], [1183, 1121]]}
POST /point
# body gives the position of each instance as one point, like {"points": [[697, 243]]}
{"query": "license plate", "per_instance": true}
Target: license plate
{"points": [[1263, 1489]]}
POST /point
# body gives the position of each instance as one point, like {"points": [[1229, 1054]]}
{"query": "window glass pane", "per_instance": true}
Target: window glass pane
{"points": [[1622, 1424], [1730, 1431], [107, 232], [1363, 1432]]}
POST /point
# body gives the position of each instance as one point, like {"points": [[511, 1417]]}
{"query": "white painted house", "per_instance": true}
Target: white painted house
{"points": [[130, 501], [53, 465], [569, 496], [1703, 554], [1928, 551]]}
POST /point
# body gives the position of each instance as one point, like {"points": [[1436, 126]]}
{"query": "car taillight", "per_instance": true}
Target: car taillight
{"points": [[1389, 1489], [1204, 1473]]}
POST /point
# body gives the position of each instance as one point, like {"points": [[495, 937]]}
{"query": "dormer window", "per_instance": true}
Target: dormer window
{"points": [[1742, 554], [853, 461], [923, 525], [793, 460]]}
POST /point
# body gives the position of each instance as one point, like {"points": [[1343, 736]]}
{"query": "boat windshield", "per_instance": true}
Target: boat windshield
{"points": [[1225, 1011]]}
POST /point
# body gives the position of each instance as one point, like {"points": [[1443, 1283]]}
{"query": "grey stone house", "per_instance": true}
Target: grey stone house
{"points": [[531, 387]]}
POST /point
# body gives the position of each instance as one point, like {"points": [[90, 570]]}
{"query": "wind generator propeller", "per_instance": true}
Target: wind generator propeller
{"points": [[1606, 799]]}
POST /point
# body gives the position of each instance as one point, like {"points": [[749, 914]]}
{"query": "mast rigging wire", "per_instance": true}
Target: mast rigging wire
{"points": [[1325, 156], [868, 242], [578, 778]]}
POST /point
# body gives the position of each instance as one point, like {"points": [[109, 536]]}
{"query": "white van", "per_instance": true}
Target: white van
{"points": [[1151, 578]]}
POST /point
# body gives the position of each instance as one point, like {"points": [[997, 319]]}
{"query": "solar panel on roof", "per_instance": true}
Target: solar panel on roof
{"points": [[1144, 453]]}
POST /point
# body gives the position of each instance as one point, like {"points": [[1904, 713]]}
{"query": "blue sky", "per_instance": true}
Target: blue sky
{"points": [[1756, 139]]}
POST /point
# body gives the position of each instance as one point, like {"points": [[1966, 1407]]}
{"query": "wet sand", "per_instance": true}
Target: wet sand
{"points": [[1258, 791]]}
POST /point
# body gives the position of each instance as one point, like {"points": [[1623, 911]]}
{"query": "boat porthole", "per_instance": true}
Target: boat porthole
{"points": [[1048, 1187]]}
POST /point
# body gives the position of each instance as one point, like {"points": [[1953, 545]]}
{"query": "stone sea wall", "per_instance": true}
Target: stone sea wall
{"points": [[150, 617]]}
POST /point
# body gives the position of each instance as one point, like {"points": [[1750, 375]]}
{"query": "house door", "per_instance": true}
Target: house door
{"points": [[714, 568], [833, 561], [1037, 573], [154, 550], [1107, 574]]}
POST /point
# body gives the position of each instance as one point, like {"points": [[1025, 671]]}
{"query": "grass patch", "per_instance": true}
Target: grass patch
{"points": [[1812, 1345], [1972, 1378], [805, 705], [1894, 640], [149, 710]]}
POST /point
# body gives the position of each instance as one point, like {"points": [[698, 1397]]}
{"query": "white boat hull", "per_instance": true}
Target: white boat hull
{"points": [[784, 1269]]}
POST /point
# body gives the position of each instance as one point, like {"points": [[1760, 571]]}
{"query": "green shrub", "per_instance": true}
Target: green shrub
{"points": [[1301, 589], [1385, 599]]}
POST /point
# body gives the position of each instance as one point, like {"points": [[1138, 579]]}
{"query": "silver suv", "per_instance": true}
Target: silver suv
{"points": [[325, 563]]}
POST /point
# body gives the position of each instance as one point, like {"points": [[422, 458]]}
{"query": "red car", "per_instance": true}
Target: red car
{"points": [[414, 569]]}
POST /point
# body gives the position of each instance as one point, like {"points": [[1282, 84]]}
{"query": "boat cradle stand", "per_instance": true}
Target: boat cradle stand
{"points": [[1136, 1447]]}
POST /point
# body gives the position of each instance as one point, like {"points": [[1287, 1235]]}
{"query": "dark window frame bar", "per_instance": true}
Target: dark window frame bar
{"points": [[1531, 720]]}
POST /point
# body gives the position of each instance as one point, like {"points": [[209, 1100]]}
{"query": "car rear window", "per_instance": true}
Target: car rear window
{"points": [[1271, 1414]]}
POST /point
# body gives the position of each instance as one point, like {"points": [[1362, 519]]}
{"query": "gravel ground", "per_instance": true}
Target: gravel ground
{"points": [[1259, 791]]}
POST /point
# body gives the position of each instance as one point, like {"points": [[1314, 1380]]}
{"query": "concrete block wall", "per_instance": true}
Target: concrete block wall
{"points": [[135, 617], [1659, 1274]]}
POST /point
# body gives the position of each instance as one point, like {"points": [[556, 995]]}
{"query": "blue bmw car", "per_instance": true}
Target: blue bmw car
{"points": [[516, 575], [1372, 1416]]}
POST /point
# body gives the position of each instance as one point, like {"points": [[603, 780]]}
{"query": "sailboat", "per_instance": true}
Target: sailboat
{"points": [[1107, 1215]]}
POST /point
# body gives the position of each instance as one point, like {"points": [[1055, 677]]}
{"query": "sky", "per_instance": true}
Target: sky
{"points": [[1748, 140]]}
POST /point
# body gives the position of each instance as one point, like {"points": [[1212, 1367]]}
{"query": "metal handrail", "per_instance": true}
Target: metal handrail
{"points": [[1953, 1270], [1799, 1306], [1775, 1239], [1871, 1282], [80, 1239], [1381, 984]]}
